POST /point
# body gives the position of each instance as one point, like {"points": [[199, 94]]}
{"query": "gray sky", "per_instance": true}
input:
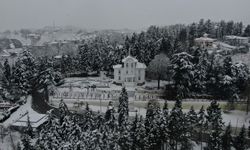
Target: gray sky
{"points": [[117, 14]]}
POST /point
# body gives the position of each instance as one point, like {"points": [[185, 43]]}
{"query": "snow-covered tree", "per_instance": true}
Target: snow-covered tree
{"points": [[182, 73], [200, 61], [88, 119], [141, 139], [178, 128], [26, 142], [155, 134], [201, 120], [240, 142], [123, 107], [215, 125], [192, 120]]}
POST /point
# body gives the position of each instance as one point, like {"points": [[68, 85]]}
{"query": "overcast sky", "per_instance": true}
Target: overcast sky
{"points": [[117, 14]]}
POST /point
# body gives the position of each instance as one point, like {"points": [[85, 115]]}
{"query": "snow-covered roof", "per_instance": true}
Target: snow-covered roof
{"points": [[4, 53], [35, 120], [236, 37], [140, 65], [206, 39], [129, 57], [117, 66], [58, 57], [225, 45]]}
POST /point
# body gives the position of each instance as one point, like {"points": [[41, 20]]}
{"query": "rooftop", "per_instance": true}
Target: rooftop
{"points": [[129, 57], [35, 120], [205, 39], [236, 37]]}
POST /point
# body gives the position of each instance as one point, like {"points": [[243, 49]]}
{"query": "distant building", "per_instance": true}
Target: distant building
{"points": [[10, 54], [204, 42], [130, 73], [236, 40]]}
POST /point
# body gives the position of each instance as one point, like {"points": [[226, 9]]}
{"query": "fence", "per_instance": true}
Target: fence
{"points": [[97, 95]]}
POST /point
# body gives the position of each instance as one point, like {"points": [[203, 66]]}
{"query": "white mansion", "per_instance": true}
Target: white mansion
{"points": [[130, 73]]}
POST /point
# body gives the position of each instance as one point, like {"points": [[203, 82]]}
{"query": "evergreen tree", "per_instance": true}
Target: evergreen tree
{"points": [[177, 127], [123, 107], [141, 139], [192, 121], [7, 71], [88, 120], [227, 138], [240, 142], [201, 123], [192, 34], [26, 142], [215, 124], [152, 106], [166, 46], [165, 122], [110, 120], [182, 73], [247, 31], [133, 131], [155, 134]]}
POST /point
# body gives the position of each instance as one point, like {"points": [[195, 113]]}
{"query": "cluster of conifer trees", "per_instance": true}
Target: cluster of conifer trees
{"points": [[162, 128]]}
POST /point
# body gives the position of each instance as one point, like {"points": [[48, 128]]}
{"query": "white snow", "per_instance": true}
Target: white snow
{"points": [[20, 112]]}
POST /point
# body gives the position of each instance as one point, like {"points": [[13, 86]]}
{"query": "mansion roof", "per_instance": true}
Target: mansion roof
{"points": [[129, 57], [138, 64]]}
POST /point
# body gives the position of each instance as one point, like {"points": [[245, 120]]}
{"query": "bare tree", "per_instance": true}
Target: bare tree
{"points": [[158, 67]]}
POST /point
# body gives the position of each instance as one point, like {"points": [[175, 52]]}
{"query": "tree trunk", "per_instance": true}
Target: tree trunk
{"points": [[159, 79], [248, 99]]}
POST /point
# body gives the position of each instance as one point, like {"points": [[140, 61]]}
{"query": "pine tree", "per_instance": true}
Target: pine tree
{"points": [[166, 46], [177, 127], [247, 31], [7, 70], [192, 121], [26, 142], [165, 123], [227, 138], [123, 107], [133, 131], [141, 140], [152, 106], [155, 134], [182, 73], [215, 124], [240, 142], [88, 120], [110, 120], [201, 123]]}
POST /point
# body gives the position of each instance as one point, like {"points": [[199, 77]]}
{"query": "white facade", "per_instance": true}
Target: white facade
{"points": [[131, 72], [204, 42]]}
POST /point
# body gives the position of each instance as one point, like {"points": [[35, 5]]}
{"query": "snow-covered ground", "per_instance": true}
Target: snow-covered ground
{"points": [[9, 141]]}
